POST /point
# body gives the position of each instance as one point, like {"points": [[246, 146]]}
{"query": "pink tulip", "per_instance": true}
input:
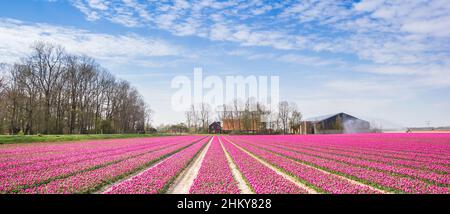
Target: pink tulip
{"points": [[215, 176]]}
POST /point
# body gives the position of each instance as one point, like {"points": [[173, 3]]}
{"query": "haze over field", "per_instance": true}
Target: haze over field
{"points": [[378, 60]]}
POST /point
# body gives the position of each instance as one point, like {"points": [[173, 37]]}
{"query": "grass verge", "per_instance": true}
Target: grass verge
{"points": [[12, 139]]}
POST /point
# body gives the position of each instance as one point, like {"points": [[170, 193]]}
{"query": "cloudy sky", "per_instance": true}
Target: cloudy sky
{"points": [[380, 60]]}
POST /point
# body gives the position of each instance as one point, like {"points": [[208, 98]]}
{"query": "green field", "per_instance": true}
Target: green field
{"points": [[8, 139]]}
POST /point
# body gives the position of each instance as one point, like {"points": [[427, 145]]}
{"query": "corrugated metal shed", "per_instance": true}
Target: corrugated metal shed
{"points": [[320, 118]]}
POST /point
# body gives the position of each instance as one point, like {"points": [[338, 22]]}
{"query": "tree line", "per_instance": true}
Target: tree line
{"points": [[243, 117], [51, 91]]}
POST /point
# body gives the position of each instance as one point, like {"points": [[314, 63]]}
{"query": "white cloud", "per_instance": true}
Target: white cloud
{"points": [[141, 9], [368, 5], [89, 13], [423, 17], [101, 46], [220, 32], [309, 60], [392, 37], [394, 31], [98, 4], [438, 27], [402, 46]]}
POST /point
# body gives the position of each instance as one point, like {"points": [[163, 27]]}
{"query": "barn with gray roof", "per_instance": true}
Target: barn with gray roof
{"points": [[334, 124]]}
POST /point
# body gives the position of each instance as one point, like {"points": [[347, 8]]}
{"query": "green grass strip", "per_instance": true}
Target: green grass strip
{"points": [[13, 139]]}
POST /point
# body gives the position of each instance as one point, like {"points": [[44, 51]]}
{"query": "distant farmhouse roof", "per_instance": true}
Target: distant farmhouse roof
{"points": [[319, 118], [324, 117], [215, 127], [334, 124]]}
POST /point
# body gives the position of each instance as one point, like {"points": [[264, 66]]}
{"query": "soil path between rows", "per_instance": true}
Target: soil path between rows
{"points": [[129, 177], [342, 177], [326, 172], [237, 175], [284, 175], [183, 183], [108, 188]]}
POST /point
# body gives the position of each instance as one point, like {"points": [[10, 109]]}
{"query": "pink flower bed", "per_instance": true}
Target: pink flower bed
{"points": [[215, 175], [41, 152], [372, 177], [55, 169], [431, 176], [262, 179], [349, 163], [325, 182], [380, 164], [415, 162], [80, 160], [90, 180], [154, 180]]}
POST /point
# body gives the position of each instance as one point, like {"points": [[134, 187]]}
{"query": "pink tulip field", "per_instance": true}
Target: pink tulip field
{"points": [[232, 164], [215, 163]]}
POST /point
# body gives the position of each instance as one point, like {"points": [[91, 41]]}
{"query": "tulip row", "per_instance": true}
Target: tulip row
{"points": [[56, 151], [43, 175], [429, 164], [375, 164], [360, 144], [158, 178], [429, 176], [262, 179], [412, 145], [405, 145], [377, 179], [319, 180], [353, 163], [409, 151], [79, 161], [94, 180], [48, 171], [214, 176]]}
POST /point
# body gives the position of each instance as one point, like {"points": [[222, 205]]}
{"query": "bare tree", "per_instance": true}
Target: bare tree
{"points": [[192, 119], [2, 97], [236, 116], [51, 91], [188, 116], [205, 112], [283, 115], [295, 118], [47, 68]]}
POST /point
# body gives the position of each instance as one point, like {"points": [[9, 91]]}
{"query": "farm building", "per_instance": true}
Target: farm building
{"points": [[215, 128], [334, 124], [250, 125]]}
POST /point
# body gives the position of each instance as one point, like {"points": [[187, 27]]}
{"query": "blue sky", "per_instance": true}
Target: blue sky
{"points": [[380, 60]]}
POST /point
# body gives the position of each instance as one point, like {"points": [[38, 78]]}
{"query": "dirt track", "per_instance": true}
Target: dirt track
{"points": [[183, 183], [242, 185]]}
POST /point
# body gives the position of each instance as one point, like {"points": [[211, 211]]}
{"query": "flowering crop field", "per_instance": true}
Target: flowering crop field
{"points": [[290, 164]]}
